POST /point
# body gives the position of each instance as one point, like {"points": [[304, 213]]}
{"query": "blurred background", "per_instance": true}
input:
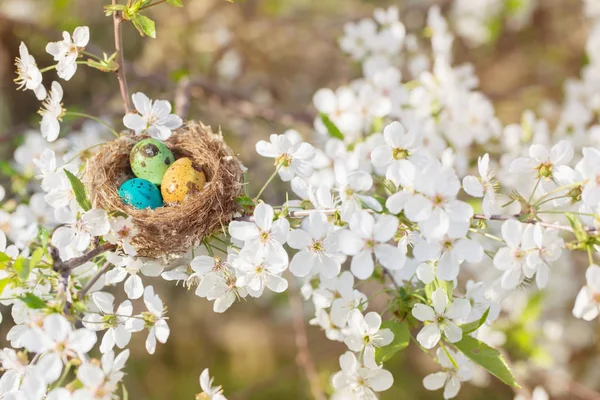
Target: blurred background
{"points": [[251, 68]]}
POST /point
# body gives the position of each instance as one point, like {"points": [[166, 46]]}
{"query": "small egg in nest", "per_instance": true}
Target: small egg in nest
{"points": [[182, 180]]}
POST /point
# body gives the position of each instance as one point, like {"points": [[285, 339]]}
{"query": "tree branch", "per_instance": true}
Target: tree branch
{"points": [[117, 20], [64, 268], [94, 279], [77, 261], [306, 213], [529, 221]]}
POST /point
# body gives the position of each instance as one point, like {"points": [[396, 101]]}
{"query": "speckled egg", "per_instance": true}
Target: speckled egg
{"points": [[183, 179], [150, 159], [140, 193]]}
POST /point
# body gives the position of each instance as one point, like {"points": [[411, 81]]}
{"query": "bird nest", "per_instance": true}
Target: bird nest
{"points": [[170, 230]]}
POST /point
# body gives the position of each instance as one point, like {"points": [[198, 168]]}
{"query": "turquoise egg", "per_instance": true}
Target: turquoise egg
{"points": [[150, 159], [140, 193]]}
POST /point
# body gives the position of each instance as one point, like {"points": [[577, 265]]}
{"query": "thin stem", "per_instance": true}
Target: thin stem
{"points": [[306, 213], [91, 55], [571, 212], [389, 275], [534, 189], [117, 20], [556, 191], [487, 235], [208, 248], [64, 375], [515, 217], [539, 203], [590, 255], [77, 114], [83, 151], [50, 68], [267, 183], [94, 279], [423, 349], [218, 239], [153, 4], [448, 354]]}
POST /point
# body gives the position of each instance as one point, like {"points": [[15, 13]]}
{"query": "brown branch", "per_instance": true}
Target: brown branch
{"points": [[304, 358], [77, 261], [64, 268], [117, 20], [94, 279], [530, 221]]}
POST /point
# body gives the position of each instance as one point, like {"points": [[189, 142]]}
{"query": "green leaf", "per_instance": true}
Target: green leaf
{"points": [[3, 283], [448, 287], [4, 257], [333, 130], [22, 267], [429, 289], [115, 7], [36, 257], [487, 357], [473, 326], [44, 236], [176, 3], [32, 301], [244, 200], [79, 190], [400, 342], [144, 25]]}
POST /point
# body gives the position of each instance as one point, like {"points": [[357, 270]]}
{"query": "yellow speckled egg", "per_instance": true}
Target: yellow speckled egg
{"points": [[183, 179]]}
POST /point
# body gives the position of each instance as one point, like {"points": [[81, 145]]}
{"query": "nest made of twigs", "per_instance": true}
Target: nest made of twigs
{"points": [[167, 231]]}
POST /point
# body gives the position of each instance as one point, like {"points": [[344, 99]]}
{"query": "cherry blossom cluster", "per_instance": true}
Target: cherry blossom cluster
{"points": [[412, 184]]}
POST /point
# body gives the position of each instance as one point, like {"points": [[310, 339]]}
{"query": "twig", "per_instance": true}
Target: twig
{"points": [[64, 268], [77, 261], [389, 275], [529, 221], [305, 213], [117, 20], [94, 279], [304, 358]]}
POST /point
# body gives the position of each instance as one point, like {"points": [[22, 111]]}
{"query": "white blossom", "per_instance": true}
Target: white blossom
{"points": [[67, 51], [358, 382], [292, 157], [442, 318], [153, 117], [365, 334], [52, 112], [210, 392], [451, 376], [368, 236], [587, 304], [28, 74], [319, 248]]}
